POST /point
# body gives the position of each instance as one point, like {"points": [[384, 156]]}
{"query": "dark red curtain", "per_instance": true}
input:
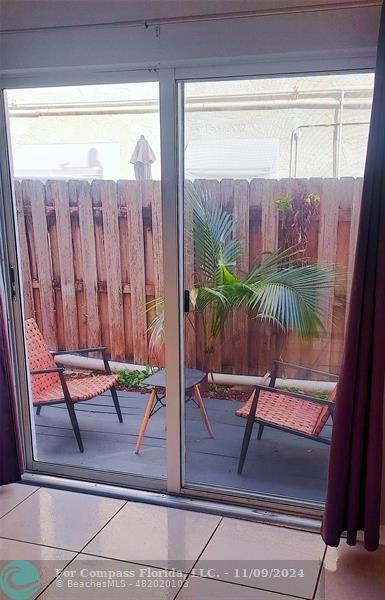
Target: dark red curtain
{"points": [[10, 456], [354, 485]]}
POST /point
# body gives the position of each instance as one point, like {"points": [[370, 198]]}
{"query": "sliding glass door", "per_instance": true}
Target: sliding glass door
{"points": [[272, 187], [87, 192], [233, 266]]}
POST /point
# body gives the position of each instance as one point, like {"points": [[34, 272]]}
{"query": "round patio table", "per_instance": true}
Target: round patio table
{"points": [[157, 399]]}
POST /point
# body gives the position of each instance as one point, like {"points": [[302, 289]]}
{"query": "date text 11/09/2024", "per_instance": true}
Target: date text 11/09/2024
{"points": [[251, 573]]}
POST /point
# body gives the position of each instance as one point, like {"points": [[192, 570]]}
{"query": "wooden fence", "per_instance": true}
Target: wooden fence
{"points": [[91, 256]]}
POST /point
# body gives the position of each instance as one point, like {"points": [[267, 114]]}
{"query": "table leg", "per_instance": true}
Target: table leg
{"points": [[203, 410], [145, 421]]}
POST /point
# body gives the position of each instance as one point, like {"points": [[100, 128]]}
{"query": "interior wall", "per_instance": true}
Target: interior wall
{"points": [[337, 39], [24, 14]]}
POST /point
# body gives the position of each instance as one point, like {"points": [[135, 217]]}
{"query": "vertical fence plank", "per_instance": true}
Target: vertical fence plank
{"points": [[34, 193], [255, 251], [108, 195], [241, 317], [345, 196], [131, 195], [327, 252], [29, 308], [57, 191], [80, 192], [101, 267], [157, 234], [78, 272], [270, 190], [291, 347], [354, 221], [55, 265], [32, 256], [211, 187], [226, 191], [125, 265], [157, 248]]}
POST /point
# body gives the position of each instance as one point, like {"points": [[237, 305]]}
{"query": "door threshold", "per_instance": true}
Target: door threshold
{"points": [[222, 509]]}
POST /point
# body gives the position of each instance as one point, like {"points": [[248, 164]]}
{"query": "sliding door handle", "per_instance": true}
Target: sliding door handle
{"points": [[186, 301]]}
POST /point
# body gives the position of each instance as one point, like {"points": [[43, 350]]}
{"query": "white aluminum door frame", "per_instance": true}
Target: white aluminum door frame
{"points": [[168, 126], [171, 119]]}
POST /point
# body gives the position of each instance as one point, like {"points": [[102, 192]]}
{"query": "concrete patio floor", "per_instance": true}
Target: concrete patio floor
{"points": [[280, 464]]}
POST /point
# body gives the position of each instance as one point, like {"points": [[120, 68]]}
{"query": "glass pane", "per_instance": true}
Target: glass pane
{"points": [[86, 163], [273, 177]]}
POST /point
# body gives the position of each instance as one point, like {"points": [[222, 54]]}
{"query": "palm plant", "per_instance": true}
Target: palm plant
{"points": [[278, 291]]}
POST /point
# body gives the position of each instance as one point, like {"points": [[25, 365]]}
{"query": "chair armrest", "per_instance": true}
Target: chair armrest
{"points": [[294, 395], [78, 351], [44, 371], [101, 349], [288, 364]]}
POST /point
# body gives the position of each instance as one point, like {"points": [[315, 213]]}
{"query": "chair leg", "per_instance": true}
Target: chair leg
{"points": [[247, 434], [203, 410], [38, 410], [145, 421], [260, 431], [75, 424], [115, 398]]}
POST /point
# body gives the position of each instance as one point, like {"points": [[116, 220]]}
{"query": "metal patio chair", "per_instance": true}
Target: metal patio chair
{"points": [[300, 414], [49, 386]]}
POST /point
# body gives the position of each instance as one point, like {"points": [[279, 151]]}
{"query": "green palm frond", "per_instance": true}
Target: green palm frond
{"points": [[211, 232], [280, 290], [156, 327]]}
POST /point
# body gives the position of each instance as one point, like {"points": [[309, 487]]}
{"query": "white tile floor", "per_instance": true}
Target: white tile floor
{"points": [[114, 549]]}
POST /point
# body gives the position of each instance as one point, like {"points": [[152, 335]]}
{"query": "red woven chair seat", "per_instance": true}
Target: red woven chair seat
{"points": [[84, 388], [288, 412], [47, 387]]}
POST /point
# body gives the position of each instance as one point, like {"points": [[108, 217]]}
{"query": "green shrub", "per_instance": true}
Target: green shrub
{"points": [[133, 378], [322, 394]]}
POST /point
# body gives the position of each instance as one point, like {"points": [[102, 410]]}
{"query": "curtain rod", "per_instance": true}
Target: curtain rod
{"points": [[263, 12]]}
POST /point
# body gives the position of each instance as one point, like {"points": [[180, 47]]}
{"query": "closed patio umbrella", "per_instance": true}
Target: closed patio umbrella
{"points": [[142, 158]]}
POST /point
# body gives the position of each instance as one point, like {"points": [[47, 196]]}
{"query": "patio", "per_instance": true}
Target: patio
{"points": [[280, 463]]}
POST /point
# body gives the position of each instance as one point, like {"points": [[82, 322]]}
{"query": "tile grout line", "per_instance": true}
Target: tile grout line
{"points": [[132, 562], [198, 558], [77, 553], [319, 573], [21, 502], [249, 586], [10, 539], [188, 574]]}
